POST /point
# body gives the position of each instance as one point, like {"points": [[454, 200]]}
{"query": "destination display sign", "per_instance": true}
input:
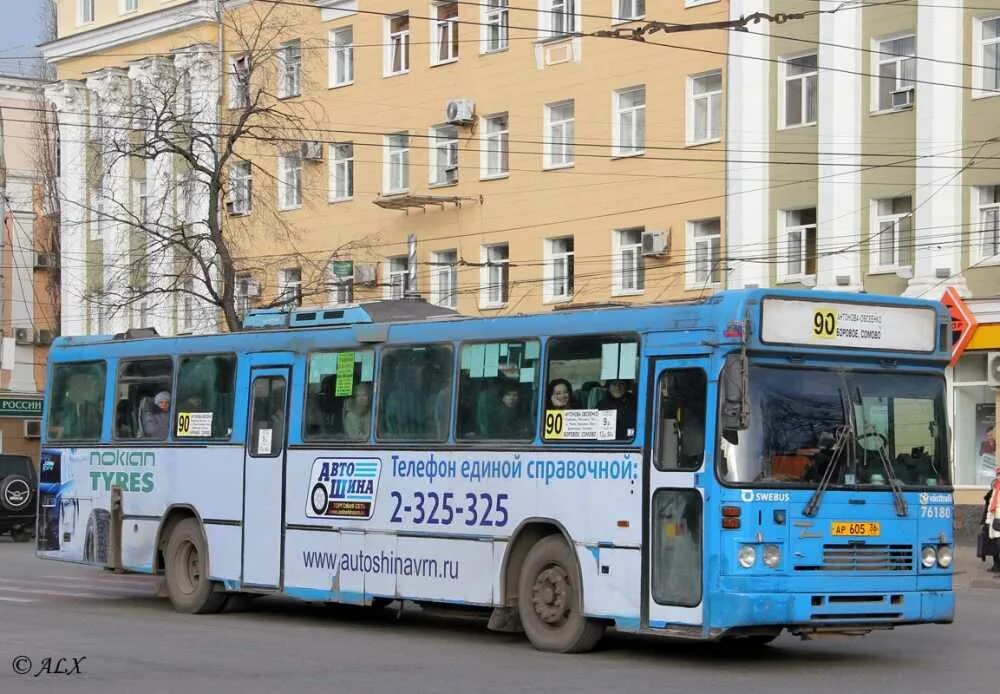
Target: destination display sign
{"points": [[833, 324]]}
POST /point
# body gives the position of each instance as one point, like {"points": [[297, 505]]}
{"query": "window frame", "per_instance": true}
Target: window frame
{"points": [[693, 241], [377, 402], [392, 274], [494, 13], [196, 440], [171, 414], [340, 53], [337, 163], [285, 285], [86, 12], [975, 241], [880, 57], [638, 274], [568, 17], [443, 141], [485, 276], [806, 78], [618, 113], [457, 387], [551, 259], [241, 188], [784, 255], [403, 154], [980, 91], [128, 6], [547, 376], [390, 45], [289, 180], [875, 266], [632, 16], [47, 414], [502, 137], [713, 130], [290, 69], [440, 269], [567, 146], [372, 423], [449, 27], [239, 91]]}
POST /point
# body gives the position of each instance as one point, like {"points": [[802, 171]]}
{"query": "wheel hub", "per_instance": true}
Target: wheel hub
{"points": [[191, 566], [551, 596]]}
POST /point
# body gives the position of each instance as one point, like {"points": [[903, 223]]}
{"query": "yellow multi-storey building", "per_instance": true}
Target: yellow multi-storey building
{"points": [[492, 158]]}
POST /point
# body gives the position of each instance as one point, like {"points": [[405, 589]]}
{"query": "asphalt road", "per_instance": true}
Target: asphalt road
{"points": [[132, 641]]}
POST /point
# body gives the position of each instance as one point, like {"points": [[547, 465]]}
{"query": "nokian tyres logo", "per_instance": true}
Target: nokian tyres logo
{"points": [[122, 469]]}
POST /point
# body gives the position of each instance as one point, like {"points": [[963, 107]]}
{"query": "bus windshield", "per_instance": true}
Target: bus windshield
{"points": [[797, 417]]}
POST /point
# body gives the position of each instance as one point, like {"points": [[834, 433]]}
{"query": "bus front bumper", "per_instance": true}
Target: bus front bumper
{"points": [[827, 611]]}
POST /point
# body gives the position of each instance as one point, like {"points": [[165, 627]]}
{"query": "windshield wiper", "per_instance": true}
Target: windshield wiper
{"points": [[845, 441], [890, 472]]}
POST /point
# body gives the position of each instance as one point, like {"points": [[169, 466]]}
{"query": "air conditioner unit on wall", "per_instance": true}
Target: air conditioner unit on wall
{"points": [[45, 337], [460, 111], [655, 242], [312, 151], [24, 336], [993, 369], [44, 261], [902, 98], [32, 428]]}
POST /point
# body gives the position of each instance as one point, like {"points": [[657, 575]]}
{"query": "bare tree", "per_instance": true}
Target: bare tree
{"points": [[187, 232]]}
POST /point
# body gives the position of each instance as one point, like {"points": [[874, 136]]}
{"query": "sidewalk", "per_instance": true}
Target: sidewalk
{"points": [[970, 572]]}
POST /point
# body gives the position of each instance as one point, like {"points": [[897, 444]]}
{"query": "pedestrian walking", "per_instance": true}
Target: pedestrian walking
{"points": [[989, 535]]}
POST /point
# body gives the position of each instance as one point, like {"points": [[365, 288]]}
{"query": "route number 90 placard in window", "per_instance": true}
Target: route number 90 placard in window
{"points": [[575, 425]]}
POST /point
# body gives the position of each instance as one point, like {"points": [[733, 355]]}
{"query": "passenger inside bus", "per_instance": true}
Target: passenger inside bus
{"points": [[559, 395], [155, 415], [508, 420], [357, 412], [620, 398]]}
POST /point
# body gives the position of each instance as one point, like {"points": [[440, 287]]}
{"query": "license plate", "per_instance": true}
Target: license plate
{"points": [[847, 529]]}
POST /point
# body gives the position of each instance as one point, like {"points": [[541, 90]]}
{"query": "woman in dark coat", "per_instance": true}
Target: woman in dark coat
{"points": [[990, 546]]}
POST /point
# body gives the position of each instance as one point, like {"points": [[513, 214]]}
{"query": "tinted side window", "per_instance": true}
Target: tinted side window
{"points": [[680, 439], [591, 389], [339, 395], [205, 385], [415, 393], [142, 399], [498, 390], [76, 402]]}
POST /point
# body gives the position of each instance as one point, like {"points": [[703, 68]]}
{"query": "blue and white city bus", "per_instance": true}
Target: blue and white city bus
{"points": [[758, 461]]}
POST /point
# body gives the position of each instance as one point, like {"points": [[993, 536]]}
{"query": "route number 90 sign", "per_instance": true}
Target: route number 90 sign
{"points": [[825, 323], [580, 425]]}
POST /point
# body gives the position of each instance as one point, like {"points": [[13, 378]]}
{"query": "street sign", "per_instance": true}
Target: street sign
{"points": [[20, 407], [963, 322]]}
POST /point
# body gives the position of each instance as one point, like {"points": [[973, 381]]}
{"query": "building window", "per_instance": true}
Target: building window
{"points": [[495, 26], [397, 277], [397, 163], [290, 181], [341, 57], [495, 279], [290, 69], [892, 234], [85, 11], [704, 237], [142, 201], [986, 242], [127, 6], [290, 287], [187, 305], [240, 188], [559, 268], [630, 268], [341, 289], [627, 10], [987, 74], [246, 289], [896, 68], [444, 43], [444, 155], [630, 121], [341, 171], [239, 82], [799, 229], [397, 59], [496, 144], [800, 83], [558, 17], [444, 278], [559, 136], [705, 109]]}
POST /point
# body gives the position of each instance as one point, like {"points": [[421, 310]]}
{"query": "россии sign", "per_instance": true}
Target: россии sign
{"points": [[20, 407]]}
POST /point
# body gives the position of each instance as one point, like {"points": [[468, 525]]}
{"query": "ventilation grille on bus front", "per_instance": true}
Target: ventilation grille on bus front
{"points": [[863, 558]]}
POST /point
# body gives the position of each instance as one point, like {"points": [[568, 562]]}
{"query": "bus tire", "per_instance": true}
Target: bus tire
{"points": [[550, 601], [186, 565]]}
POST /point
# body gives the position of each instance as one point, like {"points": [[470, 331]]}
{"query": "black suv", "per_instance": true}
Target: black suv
{"points": [[18, 487]]}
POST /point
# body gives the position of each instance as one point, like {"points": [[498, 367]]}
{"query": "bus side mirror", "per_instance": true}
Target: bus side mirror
{"points": [[735, 410]]}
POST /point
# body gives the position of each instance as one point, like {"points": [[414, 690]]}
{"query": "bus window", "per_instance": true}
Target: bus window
{"points": [[76, 402], [594, 378], [681, 425], [415, 393], [497, 390], [205, 385], [339, 395], [142, 400]]}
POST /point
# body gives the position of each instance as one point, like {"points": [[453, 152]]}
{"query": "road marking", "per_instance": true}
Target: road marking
{"points": [[59, 593], [17, 599], [9, 584]]}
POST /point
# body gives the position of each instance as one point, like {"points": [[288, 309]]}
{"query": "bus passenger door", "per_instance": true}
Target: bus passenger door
{"points": [[264, 473], [673, 555]]}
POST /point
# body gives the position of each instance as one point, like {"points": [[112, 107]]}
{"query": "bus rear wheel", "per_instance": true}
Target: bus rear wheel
{"points": [[186, 565], [550, 601]]}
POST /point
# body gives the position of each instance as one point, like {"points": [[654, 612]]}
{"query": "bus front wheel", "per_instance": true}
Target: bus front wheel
{"points": [[550, 600], [186, 566]]}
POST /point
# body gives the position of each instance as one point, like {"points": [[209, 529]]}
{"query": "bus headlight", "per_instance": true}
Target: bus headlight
{"points": [[928, 556], [944, 556], [772, 555], [747, 556]]}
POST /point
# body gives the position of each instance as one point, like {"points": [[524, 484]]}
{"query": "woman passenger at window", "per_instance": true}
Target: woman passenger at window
{"points": [[357, 412], [559, 395], [620, 399]]}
